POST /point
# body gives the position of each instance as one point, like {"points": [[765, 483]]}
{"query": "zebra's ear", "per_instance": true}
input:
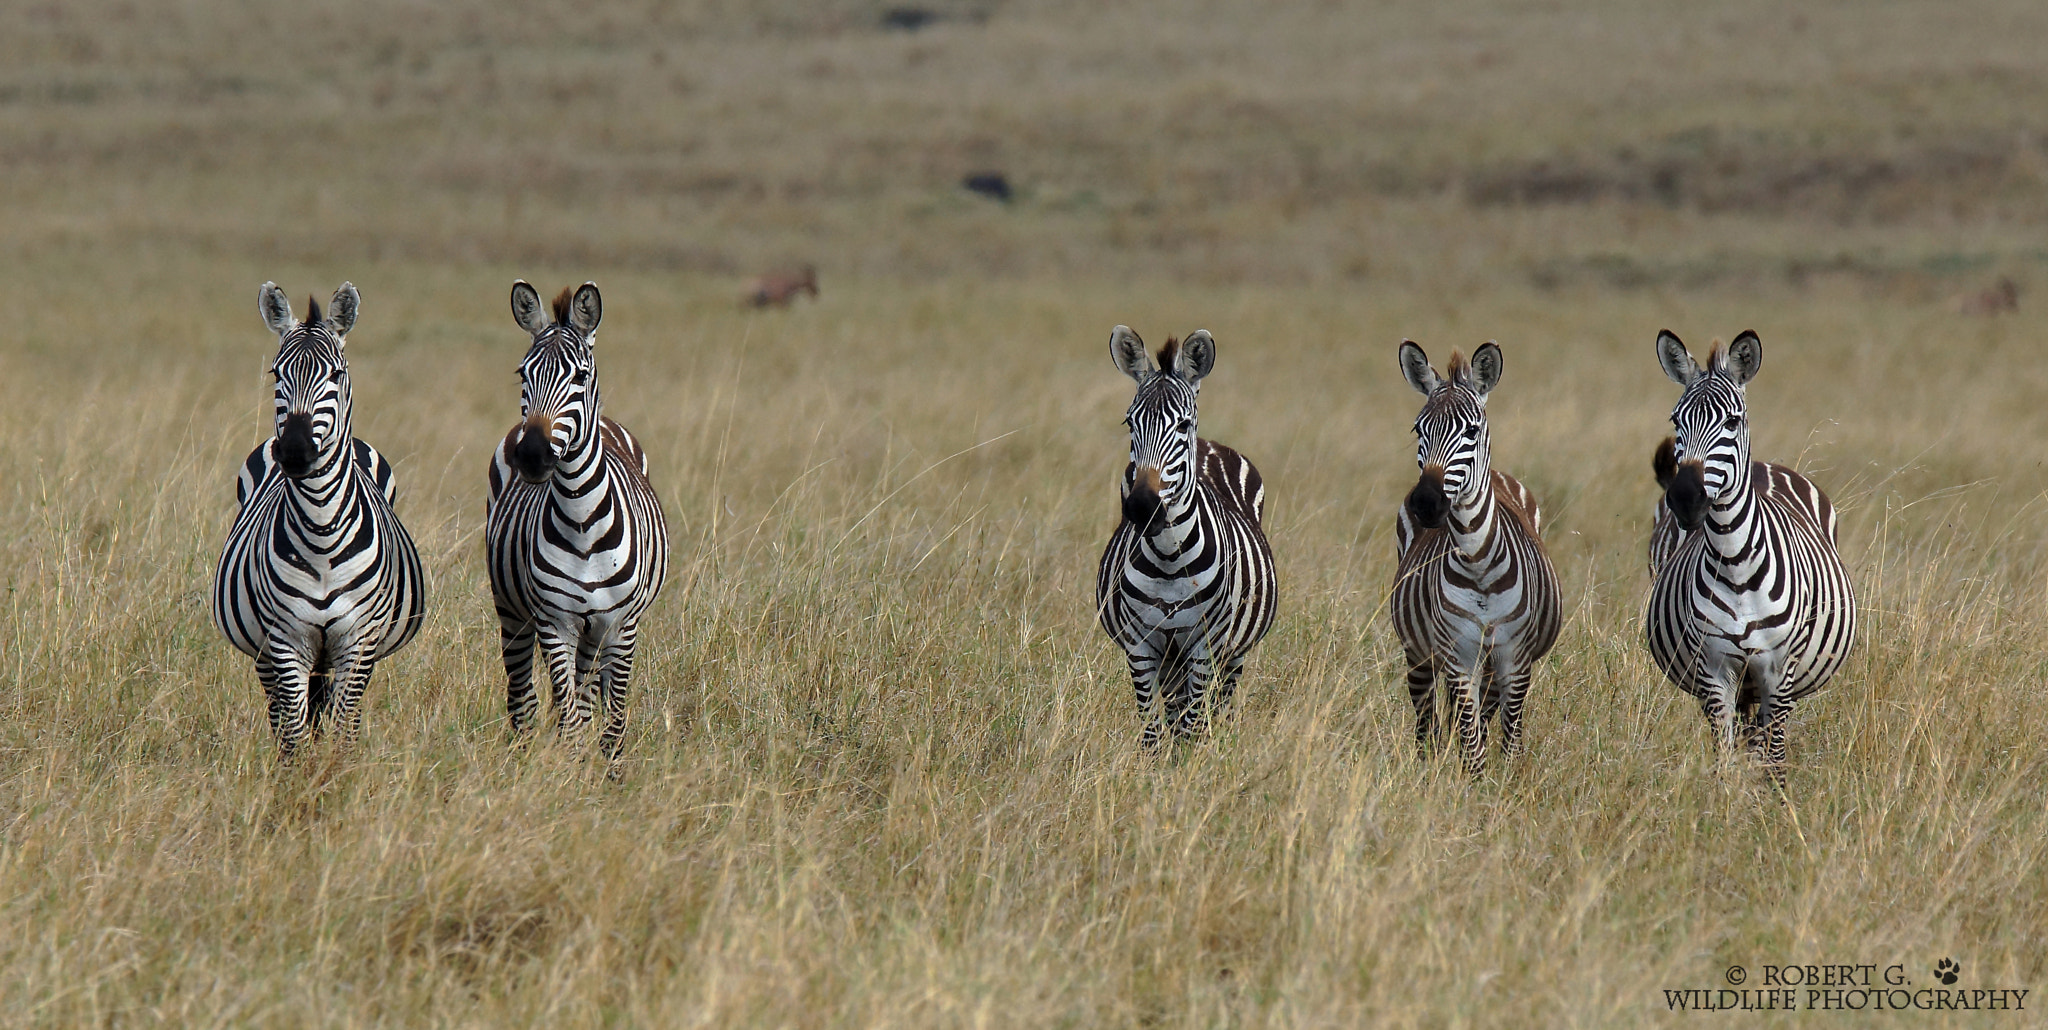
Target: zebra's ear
{"points": [[276, 308], [1129, 354], [526, 307], [1486, 365], [586, 309], [342, 309], [1196, 357], [1745, 357], [1677, 361], [1415, 368]]}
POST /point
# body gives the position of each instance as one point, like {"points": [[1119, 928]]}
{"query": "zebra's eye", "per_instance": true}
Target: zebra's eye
{"points": [[1733, 422], [1187, 425], [579, 376]]}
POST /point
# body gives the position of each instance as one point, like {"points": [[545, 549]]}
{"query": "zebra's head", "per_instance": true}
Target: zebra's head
{"points": [[1161, 475], [1452, 445], [558, 379], [1710, 452], [312, 397]]}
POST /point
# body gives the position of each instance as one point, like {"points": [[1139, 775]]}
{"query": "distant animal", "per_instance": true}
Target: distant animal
{"points": [[574, 535], [1187, 583], [1475, 600], [1751, 608], [989, 184], [908, 19], [2001, 297], [777, 289], [318, 581]]}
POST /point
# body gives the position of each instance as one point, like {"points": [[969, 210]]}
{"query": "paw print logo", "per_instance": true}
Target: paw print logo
{"points": [[1946, 970]]}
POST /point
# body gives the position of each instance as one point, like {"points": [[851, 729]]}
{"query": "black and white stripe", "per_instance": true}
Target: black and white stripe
{"points": [[1187, 584], [1751, 609], [318, 581], [576, 542], [1475, 600]]}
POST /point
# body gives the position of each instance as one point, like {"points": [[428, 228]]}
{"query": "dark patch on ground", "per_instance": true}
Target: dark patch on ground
{"points": [[1716, 172]]}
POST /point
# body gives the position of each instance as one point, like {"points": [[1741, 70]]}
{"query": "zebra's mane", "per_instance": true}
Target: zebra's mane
{"points": [[1458, 370], [1169, 354], [562, 304], [312, 310]]}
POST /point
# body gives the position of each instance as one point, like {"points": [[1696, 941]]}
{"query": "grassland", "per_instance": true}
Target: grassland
{"points": [[881, 770]]}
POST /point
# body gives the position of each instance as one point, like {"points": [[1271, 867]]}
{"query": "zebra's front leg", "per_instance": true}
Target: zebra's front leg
{"points": [[1145, 667], [1772, 717], [522, 702], [1465, 687], [1717, 703], [1517, 690], [1193, 717], [615, 678], [350, 677], [285, 675], [559, 651], [1422, 694]]}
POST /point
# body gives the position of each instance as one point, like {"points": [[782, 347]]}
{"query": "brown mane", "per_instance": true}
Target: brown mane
{"points": [[1169, 354], [1457, 369], [562, 305]]}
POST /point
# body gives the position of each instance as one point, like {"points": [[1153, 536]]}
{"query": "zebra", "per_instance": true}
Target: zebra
{"points": [[1187, 583], [1475, 599], [318, 581], [1751, 608], [574, 535]]}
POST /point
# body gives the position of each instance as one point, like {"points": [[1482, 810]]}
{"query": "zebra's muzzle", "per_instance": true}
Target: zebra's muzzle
{"points": [[1141, 497], [295, 450], [1686, 495], [533, 452], [1427, 505]]}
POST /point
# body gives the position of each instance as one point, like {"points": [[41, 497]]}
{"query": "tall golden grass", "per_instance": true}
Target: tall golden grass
{"points": [[881, 769]]}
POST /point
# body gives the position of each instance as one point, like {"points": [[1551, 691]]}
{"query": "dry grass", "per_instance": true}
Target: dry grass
{"points": [[881, 767]]}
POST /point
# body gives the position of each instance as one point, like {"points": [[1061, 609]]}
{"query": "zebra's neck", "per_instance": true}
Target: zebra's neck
{"points": [[1471, 516], [580, 474], [1731, 520], [1178, 528], [320, 494]]}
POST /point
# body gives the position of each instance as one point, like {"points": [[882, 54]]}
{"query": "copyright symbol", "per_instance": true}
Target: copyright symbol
{"points": [[1736, 974]]}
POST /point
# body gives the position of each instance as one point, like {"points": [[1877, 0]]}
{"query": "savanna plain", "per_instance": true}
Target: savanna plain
{"points": [[882, 767]]}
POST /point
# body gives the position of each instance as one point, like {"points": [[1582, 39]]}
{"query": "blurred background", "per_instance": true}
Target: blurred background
{"points": [[1617, 145]]}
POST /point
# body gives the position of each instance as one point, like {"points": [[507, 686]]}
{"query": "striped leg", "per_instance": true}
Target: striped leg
{"points": [[1717, 701], [351, 676], [1422, 694], [1767, 736], [560, 654], [1191, 716], [522, 703], [1465, 697], [1145, 683], [616, 675], [1226, 684], [284, 674], [1511, 712]]}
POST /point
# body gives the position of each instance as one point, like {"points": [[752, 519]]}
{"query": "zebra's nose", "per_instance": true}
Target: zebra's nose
{"points": [[1686, 495], [533, 453], [1427, 504], [295, 450], [1141, 499]]}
